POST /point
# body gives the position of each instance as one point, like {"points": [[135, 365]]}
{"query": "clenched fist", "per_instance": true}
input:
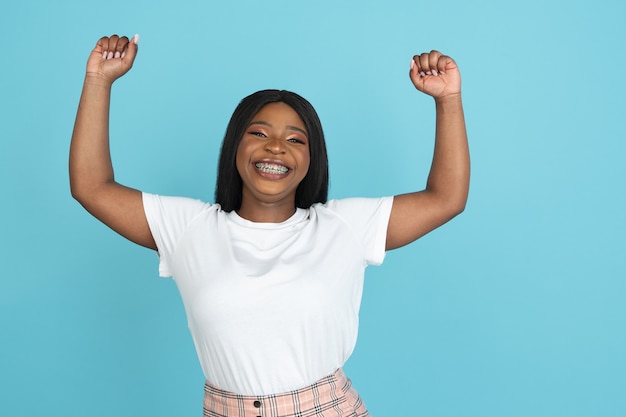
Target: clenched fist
{"points": [[435, 74], [112, 57]]}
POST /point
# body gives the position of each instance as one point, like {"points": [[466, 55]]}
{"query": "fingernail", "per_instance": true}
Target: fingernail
{"points": [[412, 64], [435, 73], [104, 55], [117, 54], [136, 39], [110, 55], [422, 74], [123, 54]]}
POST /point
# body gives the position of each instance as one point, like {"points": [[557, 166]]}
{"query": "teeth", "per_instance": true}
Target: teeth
{"points": [[271, 168]]}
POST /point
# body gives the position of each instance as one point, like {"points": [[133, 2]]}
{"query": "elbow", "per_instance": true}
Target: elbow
{"points": [[455, 207], [451, 197], [79, 196], [76, 190], [85, 188], [76, 195], [76, 185], [457, 201], [459, 207], [82, 192], [452, 212]]}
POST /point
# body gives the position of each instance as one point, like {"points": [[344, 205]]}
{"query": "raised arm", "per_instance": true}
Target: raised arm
{"points": [[415, 214], [91, 172]]}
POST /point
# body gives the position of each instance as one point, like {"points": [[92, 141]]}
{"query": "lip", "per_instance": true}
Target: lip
{"points": [[272, 162]]}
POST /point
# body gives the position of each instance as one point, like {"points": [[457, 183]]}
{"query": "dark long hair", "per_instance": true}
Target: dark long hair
{"points": [[313, 188]]}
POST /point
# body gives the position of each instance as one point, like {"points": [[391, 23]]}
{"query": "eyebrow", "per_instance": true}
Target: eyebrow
{"points": [[261, 122]]}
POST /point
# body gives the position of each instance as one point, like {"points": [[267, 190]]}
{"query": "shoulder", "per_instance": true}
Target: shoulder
{"points": [[175, 201], [172, 207], [365, 220], [358, 213], [355, 205]]}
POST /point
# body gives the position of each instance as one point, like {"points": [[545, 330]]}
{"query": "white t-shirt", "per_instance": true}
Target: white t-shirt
{"points": [[271, 307]]}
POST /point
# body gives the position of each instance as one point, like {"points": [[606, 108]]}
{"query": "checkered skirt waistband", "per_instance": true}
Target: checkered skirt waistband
{"points": [[331, 396]]}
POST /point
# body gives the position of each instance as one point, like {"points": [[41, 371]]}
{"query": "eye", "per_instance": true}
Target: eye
{"points": [[295, 140], [256, 133]]}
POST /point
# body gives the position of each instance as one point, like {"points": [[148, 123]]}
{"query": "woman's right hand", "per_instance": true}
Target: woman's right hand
{"points": [[112, 57]]}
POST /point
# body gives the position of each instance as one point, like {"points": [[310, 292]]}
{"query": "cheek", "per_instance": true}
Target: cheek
{"points": [[305, 162], [241, 159]]}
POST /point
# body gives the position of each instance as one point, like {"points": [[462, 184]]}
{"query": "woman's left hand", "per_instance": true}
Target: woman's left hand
{"points": [[435, 74]]}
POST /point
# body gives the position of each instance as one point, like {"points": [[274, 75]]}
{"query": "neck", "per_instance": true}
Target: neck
{"points": [[260, 212]]}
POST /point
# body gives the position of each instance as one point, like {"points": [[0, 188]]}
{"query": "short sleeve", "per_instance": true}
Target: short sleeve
{"points": [[368, 218], [169, 218]]}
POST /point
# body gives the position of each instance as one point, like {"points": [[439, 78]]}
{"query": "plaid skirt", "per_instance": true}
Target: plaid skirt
{"points": [[332, 396]]}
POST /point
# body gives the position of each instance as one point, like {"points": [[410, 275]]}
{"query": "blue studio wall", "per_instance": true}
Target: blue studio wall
{"points": [[515, 308]]}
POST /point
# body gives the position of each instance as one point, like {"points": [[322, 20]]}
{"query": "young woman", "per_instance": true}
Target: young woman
{"points": [[271, 274]]}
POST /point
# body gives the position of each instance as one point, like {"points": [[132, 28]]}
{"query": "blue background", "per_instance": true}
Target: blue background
{"points": [[515, 308]]}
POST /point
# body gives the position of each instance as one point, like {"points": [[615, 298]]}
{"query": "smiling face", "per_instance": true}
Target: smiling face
{"points": [[273, 157]]}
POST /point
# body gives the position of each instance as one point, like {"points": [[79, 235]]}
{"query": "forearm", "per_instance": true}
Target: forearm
{"points": [[90, 159], [450, 171]]}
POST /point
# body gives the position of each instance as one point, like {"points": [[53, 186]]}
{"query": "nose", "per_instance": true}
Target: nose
{"points": [[275, 146]]}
